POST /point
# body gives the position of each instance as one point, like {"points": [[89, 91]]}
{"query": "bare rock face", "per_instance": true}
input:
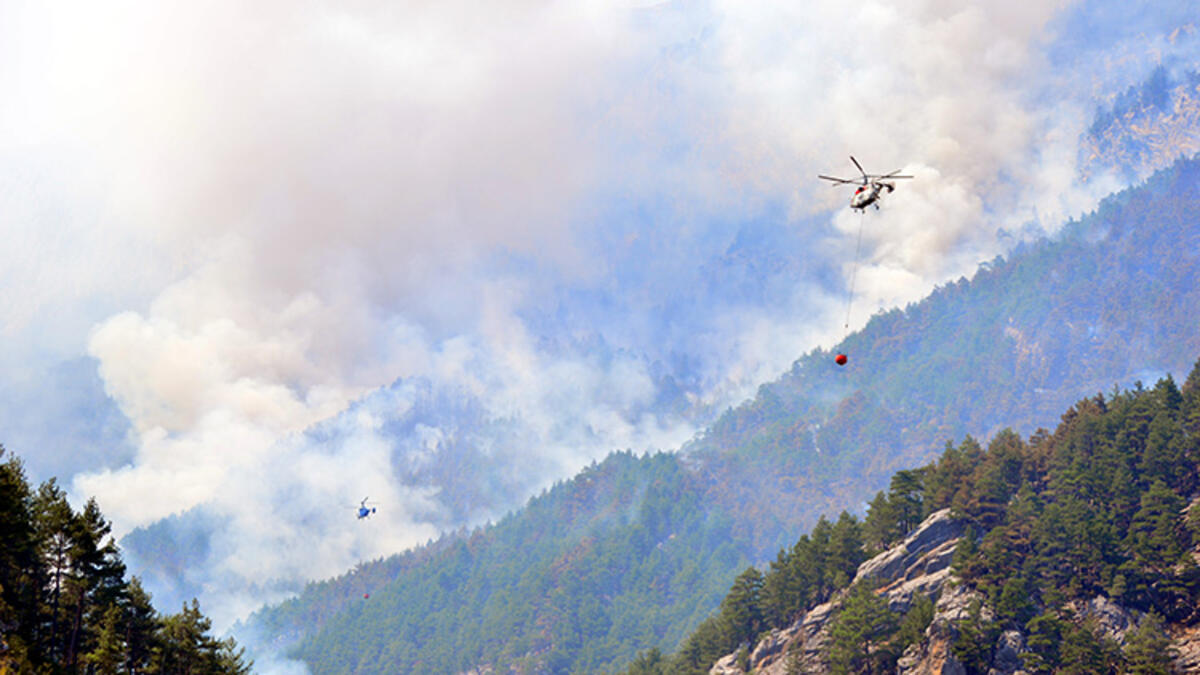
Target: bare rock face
{"points": [[935, 654], [1007, 656], [773, 647], [918, 565], [901, 592], [727, 665], [813, 636], [1113, 620], [908, 559], [803, 642], [1185, 648]]}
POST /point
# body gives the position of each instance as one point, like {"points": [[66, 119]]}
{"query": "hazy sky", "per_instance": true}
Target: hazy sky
{"points": [[224, 222]]}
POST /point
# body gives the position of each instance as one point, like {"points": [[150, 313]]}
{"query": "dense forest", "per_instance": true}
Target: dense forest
{"points": [[1106, 301], [1106, 505], [66, 607], [586, 574]]}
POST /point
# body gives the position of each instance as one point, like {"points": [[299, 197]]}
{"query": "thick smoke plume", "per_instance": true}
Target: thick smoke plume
{"points": [[590, 225]]}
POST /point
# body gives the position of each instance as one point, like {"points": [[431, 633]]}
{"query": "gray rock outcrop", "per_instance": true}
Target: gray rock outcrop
{"points": [[918, 565], [909, 558], [1113, 620]]}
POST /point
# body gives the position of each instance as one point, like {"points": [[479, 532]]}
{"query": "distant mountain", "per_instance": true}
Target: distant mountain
{"points": [[642, 548], [1147, 126]]}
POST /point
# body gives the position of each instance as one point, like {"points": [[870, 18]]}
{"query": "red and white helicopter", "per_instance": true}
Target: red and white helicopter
{"points": [[870, 186]]}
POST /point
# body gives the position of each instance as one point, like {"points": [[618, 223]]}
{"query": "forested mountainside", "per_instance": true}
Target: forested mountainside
{"points": [[582, 578], [65, 605], [1075, 551], [1146, 126], [1109, 300], [577, 580]]}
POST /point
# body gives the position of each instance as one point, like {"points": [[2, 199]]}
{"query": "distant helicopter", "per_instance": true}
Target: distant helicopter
{"points": [[869, 186], [363, 510]]}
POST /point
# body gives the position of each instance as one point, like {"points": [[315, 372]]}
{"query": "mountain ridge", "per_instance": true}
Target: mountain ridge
{"points": [[1142, 233], [1076, 550]]}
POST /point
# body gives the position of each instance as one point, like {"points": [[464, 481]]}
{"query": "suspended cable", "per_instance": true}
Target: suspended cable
{"points": [[841, 359], [853, 277]]}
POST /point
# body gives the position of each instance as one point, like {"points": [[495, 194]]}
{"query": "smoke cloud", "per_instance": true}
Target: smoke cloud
{"points": [[299, 235]]}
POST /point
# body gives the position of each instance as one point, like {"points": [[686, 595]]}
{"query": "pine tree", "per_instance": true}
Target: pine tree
{"points": [[1044, 636], [1014, 605], [906, 501], [1085, 652], [141, 625], [976, 635], [881, 524], [54, 521], [1147, 649], [916, 620], [860, 635], [21, 573], [97, 576], [845, 551], [649, 663], [109, 653], [1154, 534], [184, 648], [65, 606], [742, 609]]}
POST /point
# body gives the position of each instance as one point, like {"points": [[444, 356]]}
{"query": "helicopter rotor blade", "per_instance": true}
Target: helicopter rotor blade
{"points": [[860, 169], [837, 180]]}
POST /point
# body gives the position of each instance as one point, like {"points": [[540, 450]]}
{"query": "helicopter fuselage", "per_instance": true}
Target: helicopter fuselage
{"points": [[864, 197], [867, 195]]}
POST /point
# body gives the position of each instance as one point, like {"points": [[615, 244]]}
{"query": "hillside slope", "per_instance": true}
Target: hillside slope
{"points": [[1074, 551], [1109, 300]]}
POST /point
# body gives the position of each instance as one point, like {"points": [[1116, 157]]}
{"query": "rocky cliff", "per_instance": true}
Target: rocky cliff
{"points": [[921, 565]]}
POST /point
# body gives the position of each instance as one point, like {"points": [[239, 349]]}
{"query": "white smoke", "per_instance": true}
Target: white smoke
{"points": [[296, 205]]}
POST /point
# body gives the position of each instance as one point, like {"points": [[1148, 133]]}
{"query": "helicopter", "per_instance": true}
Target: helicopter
{"points": [[870, 186], [364, 510]]}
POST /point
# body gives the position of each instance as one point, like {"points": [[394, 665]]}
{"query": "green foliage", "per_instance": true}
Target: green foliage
{"points": [[742, 608], [65, 606], [976, 635], [1044, 637], [184, 646], [906, 501], [861, 634], [1085, 652], [586, 576], [1014, 606], [650, 662], [1063, 517], [579, 577], [1107, 297], [1147, 649], [812, 569], [913, 625]]}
